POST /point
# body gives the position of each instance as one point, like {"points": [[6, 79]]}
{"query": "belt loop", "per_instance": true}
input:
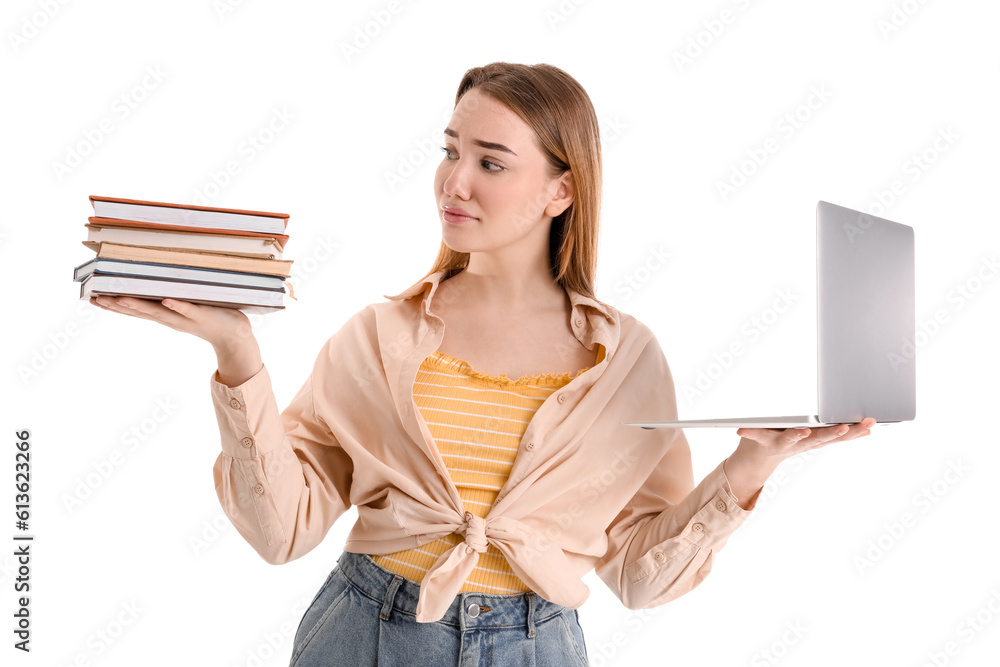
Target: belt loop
{"points": [[532, 601], [390, 594]]}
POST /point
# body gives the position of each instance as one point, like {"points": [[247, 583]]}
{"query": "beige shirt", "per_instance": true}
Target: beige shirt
{"points": [[585, 491]]}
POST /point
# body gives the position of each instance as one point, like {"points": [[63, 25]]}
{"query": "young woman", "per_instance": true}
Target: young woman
{"points": [[482, 500]]}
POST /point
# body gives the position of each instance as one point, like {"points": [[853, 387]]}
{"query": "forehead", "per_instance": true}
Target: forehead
{"points": [[486, 118]]}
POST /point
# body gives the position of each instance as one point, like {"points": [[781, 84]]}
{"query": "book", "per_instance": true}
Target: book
{"points": [[277, 239], [255, 263], [121, 267], [158, 236], [187, 215], [201, 293], [210, 256]]}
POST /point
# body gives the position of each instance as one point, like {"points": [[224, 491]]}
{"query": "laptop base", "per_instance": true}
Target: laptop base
{"points": [[802, 421]]}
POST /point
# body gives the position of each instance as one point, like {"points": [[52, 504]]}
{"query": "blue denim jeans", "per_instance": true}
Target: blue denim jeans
{"points": [[365, 615]]}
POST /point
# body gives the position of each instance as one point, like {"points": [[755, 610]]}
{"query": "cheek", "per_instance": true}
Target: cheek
{"points": [[524, 203]]}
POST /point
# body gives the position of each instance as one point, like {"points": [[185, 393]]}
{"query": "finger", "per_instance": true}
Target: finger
{"points": [[113, 304], [795, 434], [184, 308], [860, 429], [142, 309], [843, 439], [153, 309], [767, 434], [831, 432], [843, 433], [854, 430]]}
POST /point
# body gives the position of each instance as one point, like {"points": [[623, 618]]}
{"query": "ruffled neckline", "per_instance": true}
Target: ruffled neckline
{"points": [[540, 380]]}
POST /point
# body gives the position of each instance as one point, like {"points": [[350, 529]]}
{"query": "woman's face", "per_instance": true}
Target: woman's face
{"points": [[494, 171]]}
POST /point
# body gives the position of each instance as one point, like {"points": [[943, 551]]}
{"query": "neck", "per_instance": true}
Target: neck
{"points": [[503, 287], [515, 277]]}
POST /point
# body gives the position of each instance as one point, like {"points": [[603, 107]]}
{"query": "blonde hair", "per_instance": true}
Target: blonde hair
{"points": [[560, 113]]}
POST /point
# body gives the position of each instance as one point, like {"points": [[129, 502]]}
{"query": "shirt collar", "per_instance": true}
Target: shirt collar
{"points": [[577, 299]]}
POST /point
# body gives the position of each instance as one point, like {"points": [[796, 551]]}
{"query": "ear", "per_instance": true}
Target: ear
{"points": [[564, 196]]}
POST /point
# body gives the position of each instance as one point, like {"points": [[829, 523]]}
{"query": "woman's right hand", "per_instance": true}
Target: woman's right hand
{"points": [[227, 329]]}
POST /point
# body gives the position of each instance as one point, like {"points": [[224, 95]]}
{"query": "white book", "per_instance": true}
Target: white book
{"points": [[122, 267], [218, 243], [189, 216], [156, 289]]}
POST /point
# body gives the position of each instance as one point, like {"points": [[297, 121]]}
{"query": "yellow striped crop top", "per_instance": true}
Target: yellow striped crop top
{"points": [[477, 421]]}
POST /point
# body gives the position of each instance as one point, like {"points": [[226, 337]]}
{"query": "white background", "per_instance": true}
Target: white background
{"points": [[895, 76]]}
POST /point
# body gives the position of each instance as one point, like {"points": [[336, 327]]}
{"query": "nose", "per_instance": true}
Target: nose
{"points": [[456, 183]]}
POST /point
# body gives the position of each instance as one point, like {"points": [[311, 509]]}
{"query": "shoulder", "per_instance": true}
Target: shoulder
{"points": [[650, 359], [631, 324], [631, 329], [358, 330]]}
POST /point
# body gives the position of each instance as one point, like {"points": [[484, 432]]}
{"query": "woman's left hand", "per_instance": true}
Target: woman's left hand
{"points": [[762, 449], [776, 444]]}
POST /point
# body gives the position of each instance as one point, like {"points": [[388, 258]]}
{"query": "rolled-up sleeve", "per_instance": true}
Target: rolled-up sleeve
{"points": [[282, 479]]}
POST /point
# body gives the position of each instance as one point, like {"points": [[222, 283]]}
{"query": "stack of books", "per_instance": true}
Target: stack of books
{"points": [[213, 256]]}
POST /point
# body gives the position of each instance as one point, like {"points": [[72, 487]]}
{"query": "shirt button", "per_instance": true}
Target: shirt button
{"points": [[562, 398], [497, 501], [721, 506], [468, 516], [579, 322], [258, 489], [529, 446], [247, 442], [235, 404], [473, 610], [697, 527], [469, 550], [659, 556]]}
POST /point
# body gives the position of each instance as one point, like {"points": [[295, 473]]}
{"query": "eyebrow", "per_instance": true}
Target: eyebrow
{"points": [[485, 144]]}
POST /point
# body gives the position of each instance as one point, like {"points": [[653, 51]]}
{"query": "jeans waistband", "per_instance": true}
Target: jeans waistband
{"points": [[467, 610]]}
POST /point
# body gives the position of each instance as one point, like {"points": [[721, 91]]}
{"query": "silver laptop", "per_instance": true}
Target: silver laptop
{"points": [[865, 326]]}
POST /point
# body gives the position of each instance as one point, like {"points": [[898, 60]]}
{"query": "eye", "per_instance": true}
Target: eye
{"points": [[498, 167], [448, 156]]}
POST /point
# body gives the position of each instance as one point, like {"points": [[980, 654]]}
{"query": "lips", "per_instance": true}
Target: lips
{"points": [[455, 214]]}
